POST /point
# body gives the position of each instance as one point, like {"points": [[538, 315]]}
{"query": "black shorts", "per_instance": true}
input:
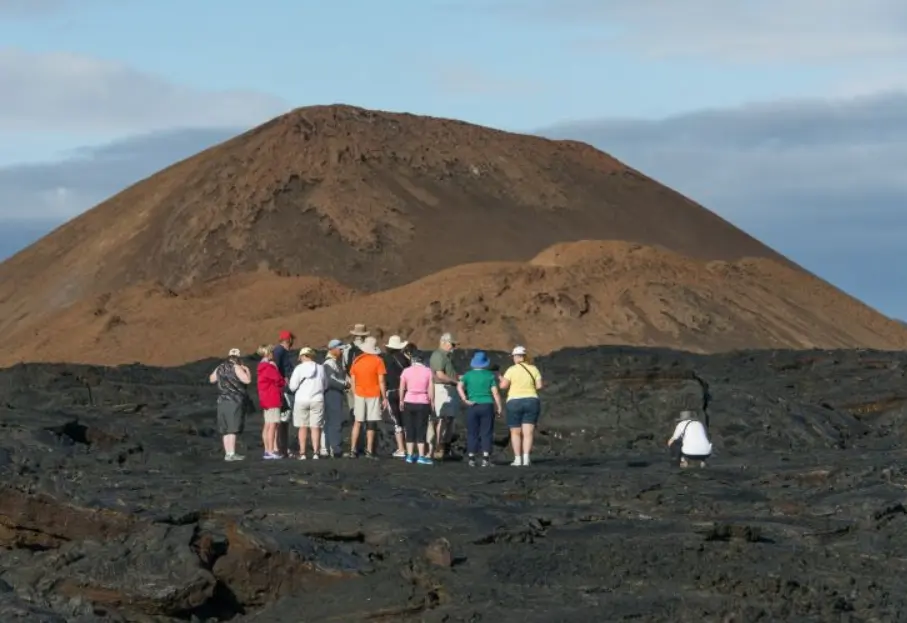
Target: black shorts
{"points": [[231, 418]]}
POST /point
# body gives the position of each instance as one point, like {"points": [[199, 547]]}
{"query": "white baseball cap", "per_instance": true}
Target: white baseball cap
{"points": [[519, 350]]}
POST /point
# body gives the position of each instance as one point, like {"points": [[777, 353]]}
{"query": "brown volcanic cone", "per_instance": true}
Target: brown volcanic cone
{"points": [[370, 199], [570, 295], [196, 258]]}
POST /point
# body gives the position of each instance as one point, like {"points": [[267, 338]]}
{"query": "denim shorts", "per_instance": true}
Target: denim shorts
{"points": [[523, 411]]}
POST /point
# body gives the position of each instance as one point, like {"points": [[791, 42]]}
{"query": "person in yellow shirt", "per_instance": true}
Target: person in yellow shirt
{"points": [[522, 381]]}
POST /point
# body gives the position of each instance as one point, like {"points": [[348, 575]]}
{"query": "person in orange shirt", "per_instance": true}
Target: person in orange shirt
{"points": [[367, 374]]}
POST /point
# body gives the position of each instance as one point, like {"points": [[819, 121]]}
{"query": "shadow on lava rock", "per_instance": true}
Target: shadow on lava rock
{"points": [[117, 505]]}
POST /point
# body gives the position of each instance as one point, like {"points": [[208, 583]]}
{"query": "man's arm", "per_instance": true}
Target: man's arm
{"points": [[336, 377], [442, 376], [383, 385], [212, 378], [676, 435], [438, 370], [242, 373]]}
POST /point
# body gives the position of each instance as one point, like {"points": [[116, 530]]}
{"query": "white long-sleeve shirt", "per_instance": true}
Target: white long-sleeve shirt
{"points": [[308, 382], [695, 438]]}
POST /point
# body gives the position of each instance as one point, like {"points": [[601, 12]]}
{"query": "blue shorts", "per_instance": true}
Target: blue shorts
{"points": [[523, 411]]}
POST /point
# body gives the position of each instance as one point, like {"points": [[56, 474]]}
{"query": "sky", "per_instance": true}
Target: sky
{"points": [[787, 118]]}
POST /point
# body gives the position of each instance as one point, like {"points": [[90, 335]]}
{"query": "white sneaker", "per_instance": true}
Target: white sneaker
{"points": [[399, 454], [526, 460], [517, 462]]}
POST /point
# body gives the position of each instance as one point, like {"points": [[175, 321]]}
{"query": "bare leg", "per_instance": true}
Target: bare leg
{"points": [[516, 442], [421, 447], [272, 437], [230, 444], [440, 437], [266, 437], [528, 434], [400, 444], [354, 436], [316, 440], [303, 437], [370, 441]]}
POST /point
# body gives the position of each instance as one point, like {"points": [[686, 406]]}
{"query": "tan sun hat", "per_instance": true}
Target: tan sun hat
{"points": [[234, 352], [306, 351], [359, 329], [396, 342]]}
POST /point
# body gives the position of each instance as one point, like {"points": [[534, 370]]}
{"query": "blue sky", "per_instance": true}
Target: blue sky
{"points": [[713, 97]]}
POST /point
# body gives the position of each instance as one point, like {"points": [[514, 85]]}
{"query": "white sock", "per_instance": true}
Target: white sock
{"points": [[525, 459]]}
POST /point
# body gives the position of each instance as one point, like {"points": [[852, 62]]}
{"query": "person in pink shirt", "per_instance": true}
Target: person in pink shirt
{"points": [[416, 404]]}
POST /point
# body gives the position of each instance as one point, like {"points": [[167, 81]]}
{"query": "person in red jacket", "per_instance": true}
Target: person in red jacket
{"points": [[270, 397]]}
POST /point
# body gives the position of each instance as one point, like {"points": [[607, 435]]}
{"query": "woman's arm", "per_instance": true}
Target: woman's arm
{"points": [[402, 391], [497, 399], [462, 391], [296, 378]]}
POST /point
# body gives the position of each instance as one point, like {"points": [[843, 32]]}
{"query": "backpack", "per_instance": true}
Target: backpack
{"points": [[348, 356], [395, 368]]}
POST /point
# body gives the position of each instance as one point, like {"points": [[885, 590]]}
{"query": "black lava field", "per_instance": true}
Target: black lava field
{"points": [[117, 504]]}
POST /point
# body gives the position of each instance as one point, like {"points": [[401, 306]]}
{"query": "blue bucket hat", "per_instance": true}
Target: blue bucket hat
{"points": [[479, 360]]}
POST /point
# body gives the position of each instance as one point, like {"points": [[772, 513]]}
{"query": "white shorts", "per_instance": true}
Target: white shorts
{"points": [[367, 409], [447, 401], [308, 414]]}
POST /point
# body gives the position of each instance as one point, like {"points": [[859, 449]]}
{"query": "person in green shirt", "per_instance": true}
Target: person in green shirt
{"points": [[478, 390]]}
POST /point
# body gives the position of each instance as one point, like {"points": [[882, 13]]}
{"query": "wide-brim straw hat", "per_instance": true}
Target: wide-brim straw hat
{"points": [[360, 330], [396, 342]]}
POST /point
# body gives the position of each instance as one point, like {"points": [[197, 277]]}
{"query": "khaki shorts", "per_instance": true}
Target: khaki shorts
{"points": [[272, 416], [308, 414], [367, 409], [447, 401]]}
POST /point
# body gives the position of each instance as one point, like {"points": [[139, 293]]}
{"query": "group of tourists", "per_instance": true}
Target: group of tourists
{"points": [[395, 384]]}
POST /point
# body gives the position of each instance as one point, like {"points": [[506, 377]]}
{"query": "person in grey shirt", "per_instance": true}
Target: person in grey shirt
{"points": [[334, 400], [447, 400]]}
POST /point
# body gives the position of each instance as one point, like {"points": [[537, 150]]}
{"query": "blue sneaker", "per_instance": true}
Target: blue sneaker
{"points": [[424, 460], [410, 458]]}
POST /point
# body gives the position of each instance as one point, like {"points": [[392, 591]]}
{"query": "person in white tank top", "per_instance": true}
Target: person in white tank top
{"points": [[690, 441]]}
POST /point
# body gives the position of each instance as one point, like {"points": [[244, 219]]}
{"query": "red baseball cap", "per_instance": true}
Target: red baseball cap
{"points": [[285, 336]]}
